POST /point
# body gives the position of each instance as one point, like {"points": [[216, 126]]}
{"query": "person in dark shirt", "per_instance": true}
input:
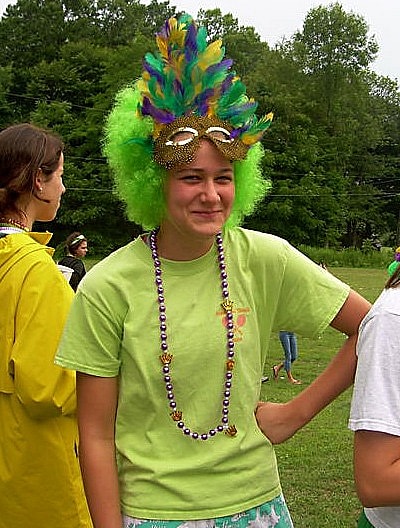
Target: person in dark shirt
{"points": [[76, 248]]}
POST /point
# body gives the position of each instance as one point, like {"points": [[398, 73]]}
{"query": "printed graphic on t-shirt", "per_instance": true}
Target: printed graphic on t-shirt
{"points": [[239, 320]]}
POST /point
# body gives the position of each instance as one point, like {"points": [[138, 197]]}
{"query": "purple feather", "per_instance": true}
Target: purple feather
{"points": [[161, 116], [237, 110], [227, 83], [250, 105], [178, 88], [153, 73], [201, 101], [237, 132], [223, 65], [191, 48], [165, 30]]}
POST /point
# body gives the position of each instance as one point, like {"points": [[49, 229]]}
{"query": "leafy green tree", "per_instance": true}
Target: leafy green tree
{"points": [[42, 21], [242, 43], [334, 52], [30, 31], [332, 152], [333, 40], [6, 104]]}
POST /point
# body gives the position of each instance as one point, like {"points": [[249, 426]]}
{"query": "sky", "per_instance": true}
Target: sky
{"points": [[276, 19]]}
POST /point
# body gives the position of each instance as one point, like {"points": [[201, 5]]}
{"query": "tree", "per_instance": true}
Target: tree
{"points": [[334, 51], [333, 40], [40, 20], [332, 152], [242, 43], [6, 105]]}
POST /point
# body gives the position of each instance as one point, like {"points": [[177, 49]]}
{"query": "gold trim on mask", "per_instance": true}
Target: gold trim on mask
{"points": [[177, 142]]}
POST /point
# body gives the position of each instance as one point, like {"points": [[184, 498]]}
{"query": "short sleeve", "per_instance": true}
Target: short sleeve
{"points": [[91, 339], [310, 296], [375, 402]]}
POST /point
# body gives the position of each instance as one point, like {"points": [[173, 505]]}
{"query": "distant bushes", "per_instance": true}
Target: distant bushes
{"points": [[350, 258], [346, 258]]}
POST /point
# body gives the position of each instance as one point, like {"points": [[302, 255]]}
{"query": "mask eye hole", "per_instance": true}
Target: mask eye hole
{"points": [[219, 134], [181, 136]]}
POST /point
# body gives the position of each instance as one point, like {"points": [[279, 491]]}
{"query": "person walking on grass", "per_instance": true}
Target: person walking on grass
{"points": [[289, 344]]}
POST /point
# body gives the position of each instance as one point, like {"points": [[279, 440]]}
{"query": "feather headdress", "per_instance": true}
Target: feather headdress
{"points": [[188, 76], [185, 78]]}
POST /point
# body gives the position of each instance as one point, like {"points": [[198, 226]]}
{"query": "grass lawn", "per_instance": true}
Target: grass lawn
{"points": [[90, 262], [316, 465]]}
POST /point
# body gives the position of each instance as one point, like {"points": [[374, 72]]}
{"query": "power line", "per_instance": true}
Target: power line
{"points": [[271, 195], [37, 100]]}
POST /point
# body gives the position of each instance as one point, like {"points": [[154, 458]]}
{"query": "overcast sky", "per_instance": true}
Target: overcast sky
{"points": [[275, 19]]}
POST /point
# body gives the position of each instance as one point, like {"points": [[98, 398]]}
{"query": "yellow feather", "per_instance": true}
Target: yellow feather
{"points": [[141, 84], [159, 91], [197, 88], [162, 46], [211, 107], [211, 55], [212, 101], [173, 23], [178, 37], [157, 129], [177, 65], [196, 75]]}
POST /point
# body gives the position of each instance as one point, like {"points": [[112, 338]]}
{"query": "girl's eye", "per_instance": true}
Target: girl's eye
{"points": [[190, 177], [225, 179]]}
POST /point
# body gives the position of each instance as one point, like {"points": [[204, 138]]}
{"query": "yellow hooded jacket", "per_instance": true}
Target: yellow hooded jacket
{"points": [[40, 481]]}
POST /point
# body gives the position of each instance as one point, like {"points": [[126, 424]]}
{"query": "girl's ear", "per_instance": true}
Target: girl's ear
{"points": [[39, 181]]}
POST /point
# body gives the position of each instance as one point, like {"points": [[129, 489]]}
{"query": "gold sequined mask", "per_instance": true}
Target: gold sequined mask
{"points": [[178, 141]]}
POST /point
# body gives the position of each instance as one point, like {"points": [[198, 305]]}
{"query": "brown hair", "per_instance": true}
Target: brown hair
{"points": [[24, 149], [73, 241]]}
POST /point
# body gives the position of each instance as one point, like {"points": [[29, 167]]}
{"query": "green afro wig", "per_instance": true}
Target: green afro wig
{"points": [[139, 180]]}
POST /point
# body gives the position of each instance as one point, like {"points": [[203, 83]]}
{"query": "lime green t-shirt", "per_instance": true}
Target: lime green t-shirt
{"points": [[113, 330]]}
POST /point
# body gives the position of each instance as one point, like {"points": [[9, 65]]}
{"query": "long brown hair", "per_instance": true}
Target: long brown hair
{"points": [[24, 149]]}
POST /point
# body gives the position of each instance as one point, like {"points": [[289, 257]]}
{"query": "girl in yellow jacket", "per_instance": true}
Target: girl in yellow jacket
{"points": [[40, 480]]}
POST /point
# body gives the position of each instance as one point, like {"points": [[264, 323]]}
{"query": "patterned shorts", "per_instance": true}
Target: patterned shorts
{"points": [[272, 514]]}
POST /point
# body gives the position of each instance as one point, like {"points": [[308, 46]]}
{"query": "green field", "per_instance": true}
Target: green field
{"points": [[316, 465]]}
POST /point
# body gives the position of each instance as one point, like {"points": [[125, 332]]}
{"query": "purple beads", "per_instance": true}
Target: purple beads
{"points": [[167, 358]]}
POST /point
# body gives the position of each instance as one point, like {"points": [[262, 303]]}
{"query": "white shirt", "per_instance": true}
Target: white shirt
{"points": [[375, 404]]}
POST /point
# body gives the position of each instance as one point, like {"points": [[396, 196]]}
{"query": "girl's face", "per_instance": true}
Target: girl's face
{"points": [[49, 193], [81, 250], [199, 196]]}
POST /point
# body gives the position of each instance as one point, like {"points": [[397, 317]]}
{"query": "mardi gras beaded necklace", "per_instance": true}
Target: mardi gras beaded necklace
{"points": [[12, 226], [166, 358]]}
